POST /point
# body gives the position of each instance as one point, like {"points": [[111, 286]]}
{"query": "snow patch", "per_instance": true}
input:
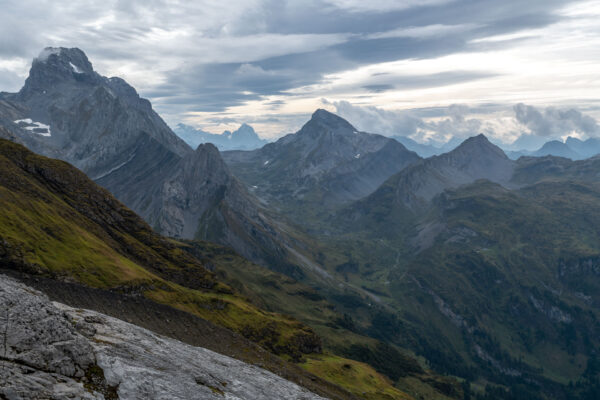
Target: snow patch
{"points": [[47, 52], [75, 68], [34, 127], [114, 168]]}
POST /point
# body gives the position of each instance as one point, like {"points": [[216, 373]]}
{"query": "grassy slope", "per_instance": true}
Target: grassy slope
{"points": [[54, 219], [508, 264], [277, 292], [56, 222]]}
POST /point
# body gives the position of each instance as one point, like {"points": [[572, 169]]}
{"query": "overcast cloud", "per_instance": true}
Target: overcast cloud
{"points": [[386, 63]]}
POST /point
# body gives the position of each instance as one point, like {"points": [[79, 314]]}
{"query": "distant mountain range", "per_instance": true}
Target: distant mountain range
{"points": [[485, 266], [244, 138], [464, 246], [572, 148]]}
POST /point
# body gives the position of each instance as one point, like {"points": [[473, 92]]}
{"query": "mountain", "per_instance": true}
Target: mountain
{"points": [[572, 148], [326, 162], [55, 221], [486, 264], [64, 235], [100, 125], [527, 142], [103, 127], [584, 148], [531, 170], [556, 148], [56, 351], [414, 187], [92, 121], [244, 138], [509, 275]]}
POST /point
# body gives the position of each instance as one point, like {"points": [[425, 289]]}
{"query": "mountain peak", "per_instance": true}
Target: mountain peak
{"points": [[323, 115], [323, 120], [481, 138], [58, 64], [481, 145], [73, 60], [245, 131]]}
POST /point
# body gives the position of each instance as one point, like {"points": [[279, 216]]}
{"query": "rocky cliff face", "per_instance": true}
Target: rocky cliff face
{"points": [[92, 121], [50, 350], [101, 125]]}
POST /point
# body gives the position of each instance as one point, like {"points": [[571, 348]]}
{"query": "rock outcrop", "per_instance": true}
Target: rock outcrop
{"points": [[50, 350]]}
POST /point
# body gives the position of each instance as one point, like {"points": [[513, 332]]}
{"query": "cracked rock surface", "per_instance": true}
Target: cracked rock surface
{"points": [[53, 351]]}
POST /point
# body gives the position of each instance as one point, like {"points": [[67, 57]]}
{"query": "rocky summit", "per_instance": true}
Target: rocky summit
{"points": [[102, 126], [327, 161]]}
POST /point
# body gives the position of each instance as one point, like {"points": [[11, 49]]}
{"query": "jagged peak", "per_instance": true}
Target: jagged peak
{"points": [[328, 121], [478, 146], [245, 132], [481, 138], [204, 161], [73, 59], [480, 141], [58, 64], [574, 140], [326, 116], [207, 148], [47, 52]]}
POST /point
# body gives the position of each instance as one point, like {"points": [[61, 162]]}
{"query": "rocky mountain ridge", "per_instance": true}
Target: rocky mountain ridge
{"points": [[103, 127], [327, 161], [572, 148], [414, 187]]}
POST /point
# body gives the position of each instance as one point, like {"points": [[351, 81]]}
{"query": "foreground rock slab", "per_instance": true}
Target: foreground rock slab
{"points": [[52, 351]]}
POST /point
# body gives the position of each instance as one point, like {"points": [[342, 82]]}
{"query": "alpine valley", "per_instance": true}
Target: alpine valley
{"points": [[331, 263]]}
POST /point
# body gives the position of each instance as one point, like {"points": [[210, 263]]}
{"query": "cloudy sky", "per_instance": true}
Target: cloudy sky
{"points": [[430, 69]]}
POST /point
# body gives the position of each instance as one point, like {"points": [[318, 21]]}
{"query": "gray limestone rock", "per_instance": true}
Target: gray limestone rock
{"points": [[53, 351]]}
